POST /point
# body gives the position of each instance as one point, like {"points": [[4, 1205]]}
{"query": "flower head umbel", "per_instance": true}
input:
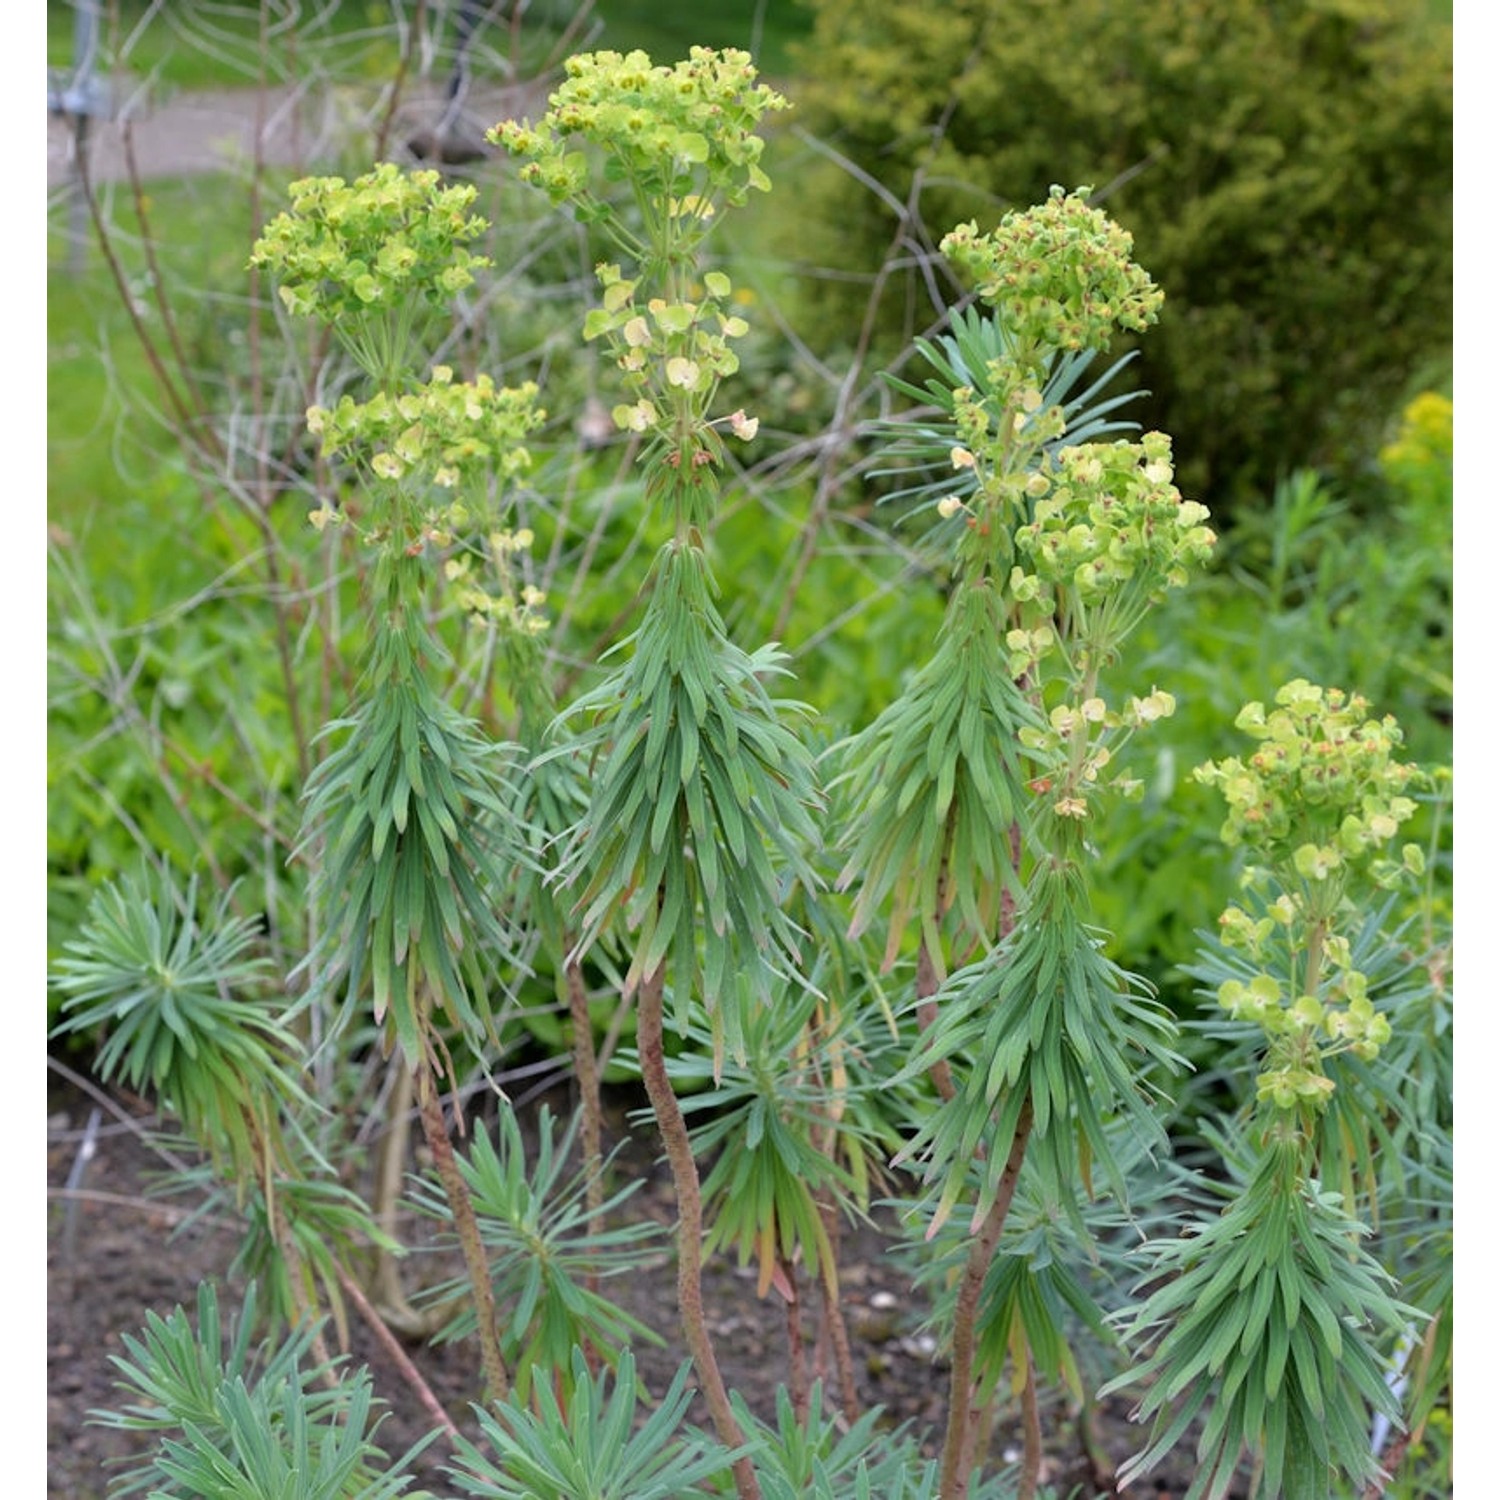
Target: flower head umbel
{"points": [[1322, 791], [1111, 527], [683, 136], [1061, 274], [1316, 804], [343, 249], [450, 433]]}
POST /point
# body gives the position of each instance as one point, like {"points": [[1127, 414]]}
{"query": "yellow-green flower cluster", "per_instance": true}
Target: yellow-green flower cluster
{"points": [[1340, 1016], [683, 134], [514, 606], [1081, 739], [447, 432], [670, 354], [997, 435], [1305, 1030], [343, 249], [1320, 798], [1322, 791], [1061, 274], [1113, 515]]}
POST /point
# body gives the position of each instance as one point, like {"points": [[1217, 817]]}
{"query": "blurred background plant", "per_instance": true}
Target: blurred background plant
{"points": [[1285, 171]]}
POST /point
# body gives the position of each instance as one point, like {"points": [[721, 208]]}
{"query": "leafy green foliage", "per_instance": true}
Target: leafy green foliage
{"points": [[590, 1449], [543, 1257], [699, 774], [1272, 1318], [234, 1422], [1286, 174], [965, 359], [1044, 1019], [936, 781], [819, 1456], [411, 876], [158, 981], [782, 1124]]}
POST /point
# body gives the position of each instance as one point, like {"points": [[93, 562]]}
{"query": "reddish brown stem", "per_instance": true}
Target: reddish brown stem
{"points": [[651, 1043], [953, 1481], [833, 1320], [392, 1346], [797, 1377], [927, 1011], [586, 1071], [1031, 1427], [1391, 1459], [466, 1225]]}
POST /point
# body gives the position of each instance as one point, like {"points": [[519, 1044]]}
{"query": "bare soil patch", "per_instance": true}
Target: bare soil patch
{"points": [[115, 1252]]}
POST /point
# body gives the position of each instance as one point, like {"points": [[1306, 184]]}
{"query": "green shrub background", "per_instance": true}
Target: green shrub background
{"points": [[1285, 169]]}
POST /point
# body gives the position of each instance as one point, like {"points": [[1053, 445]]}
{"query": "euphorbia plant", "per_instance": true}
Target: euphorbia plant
{"points": [[663, 830], [1272, 1322], [410, 876], [973, 792], [701, 802]]}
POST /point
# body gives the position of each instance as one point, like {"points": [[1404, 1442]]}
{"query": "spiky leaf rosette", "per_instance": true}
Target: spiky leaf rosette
{"points": [[935, 783], [534, 1222], [702, 800], [1268, 1328], [229, 1418], [1045, 1017], [176, 999], [590, 1443], [779, 1128], [420, 844]]}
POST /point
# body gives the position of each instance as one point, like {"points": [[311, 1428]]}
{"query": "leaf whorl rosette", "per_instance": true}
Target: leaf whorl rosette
{"points": [[1044, 1019], [421, 840], [701, 799], [935, 784]]}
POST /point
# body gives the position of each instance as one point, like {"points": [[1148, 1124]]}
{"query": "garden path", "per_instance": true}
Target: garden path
{"points": [[191, 133]]}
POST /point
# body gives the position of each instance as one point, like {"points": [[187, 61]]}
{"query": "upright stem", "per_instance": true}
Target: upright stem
{"points": [[927, 1013], [833, 1318], [466, 1224], [1031, 1462], [797, 1377], [651, 1042], [929, 970], [586, 1071], [389, 1174], [953, 1483]]}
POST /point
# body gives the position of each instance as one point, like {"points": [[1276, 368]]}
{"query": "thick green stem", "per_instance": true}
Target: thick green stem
{"points": [[953, 1483], [651, 1042], [466, 1225]]}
